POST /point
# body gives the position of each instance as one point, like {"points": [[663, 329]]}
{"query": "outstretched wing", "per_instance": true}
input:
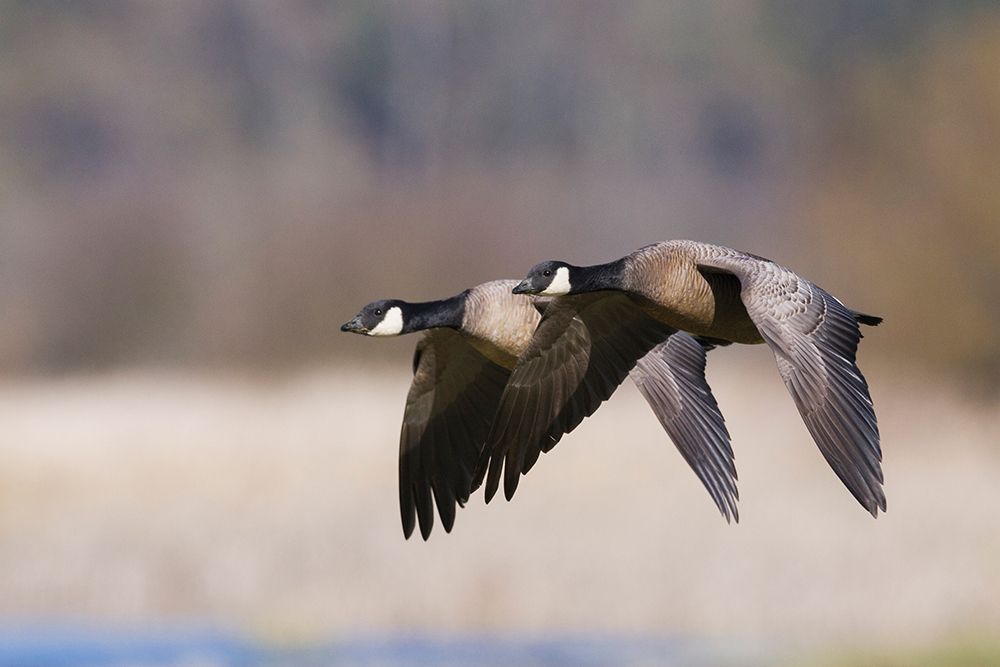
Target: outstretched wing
{"points": [[671, 377], [449, 410], [815, 338], [581, 351]]}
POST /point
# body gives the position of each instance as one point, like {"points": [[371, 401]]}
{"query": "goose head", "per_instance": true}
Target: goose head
{"points": [[551, 278], [378, 318]]}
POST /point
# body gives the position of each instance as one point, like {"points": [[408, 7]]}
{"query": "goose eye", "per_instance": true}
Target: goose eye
{"points": [[378, 311], [547, 272]]}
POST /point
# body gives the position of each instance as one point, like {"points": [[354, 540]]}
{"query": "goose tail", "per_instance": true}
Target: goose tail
{"points": [[870, 320]]}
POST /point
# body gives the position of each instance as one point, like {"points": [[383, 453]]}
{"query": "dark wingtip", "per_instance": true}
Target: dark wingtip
{"points": [[409, 520], [870, 320], [447, 516], [492, 469], [477, 482], [510, 486], [489, 491], [735, 514], [877, 504]]}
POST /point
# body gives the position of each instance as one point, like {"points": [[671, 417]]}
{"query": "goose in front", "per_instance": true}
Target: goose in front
{"points": [[463, 362], [713, 292]]}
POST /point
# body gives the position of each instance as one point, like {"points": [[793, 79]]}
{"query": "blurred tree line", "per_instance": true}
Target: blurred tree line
{"points": [[222, 183]]}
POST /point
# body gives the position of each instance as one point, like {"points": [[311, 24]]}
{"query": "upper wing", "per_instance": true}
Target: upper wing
{"points": [[449, 410], [672, 380], [581, 351], [815, 338]]}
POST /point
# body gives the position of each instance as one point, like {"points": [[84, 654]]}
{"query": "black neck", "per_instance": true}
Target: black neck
{"points": [[598, 277], [432, 314]]}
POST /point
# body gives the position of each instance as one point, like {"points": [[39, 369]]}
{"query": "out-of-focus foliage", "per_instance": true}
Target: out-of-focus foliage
{"points": [[225, 182], [910, 178]]}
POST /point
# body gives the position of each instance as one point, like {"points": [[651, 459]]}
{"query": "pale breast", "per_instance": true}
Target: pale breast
{"points": [[503, 321], [666, 276]]}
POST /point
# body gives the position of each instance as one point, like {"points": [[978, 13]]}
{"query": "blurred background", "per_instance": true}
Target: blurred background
{"points": [[196, 466]]}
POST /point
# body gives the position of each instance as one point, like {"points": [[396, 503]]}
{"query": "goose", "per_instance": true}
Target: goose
{"points": [[720, 294], [461, 365]]}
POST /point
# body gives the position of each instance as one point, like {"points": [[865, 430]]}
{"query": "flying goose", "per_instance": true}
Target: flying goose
{"points": [[461, 365], [710, 291]]}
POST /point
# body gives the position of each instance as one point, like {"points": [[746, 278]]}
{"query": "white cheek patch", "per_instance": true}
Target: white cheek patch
{"points": [[391, 324], [559, 284]]}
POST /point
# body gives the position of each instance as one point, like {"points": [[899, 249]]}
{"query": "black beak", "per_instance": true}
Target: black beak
{"points": [[523, 287], [354, 326]]}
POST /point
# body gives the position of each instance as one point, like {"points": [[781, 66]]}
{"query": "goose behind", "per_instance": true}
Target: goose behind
{"points": [[727, 296]]}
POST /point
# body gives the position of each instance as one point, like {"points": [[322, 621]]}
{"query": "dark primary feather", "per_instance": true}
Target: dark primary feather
{"points": [[814, 338], [581, 351], [448, 412], [672, 380]]}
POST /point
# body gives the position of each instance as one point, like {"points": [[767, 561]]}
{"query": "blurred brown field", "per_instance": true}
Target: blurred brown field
{"points": [[272, 504]]}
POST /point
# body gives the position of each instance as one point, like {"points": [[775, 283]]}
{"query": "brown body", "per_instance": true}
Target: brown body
{"points": [[665, 280], [499, 324]]}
